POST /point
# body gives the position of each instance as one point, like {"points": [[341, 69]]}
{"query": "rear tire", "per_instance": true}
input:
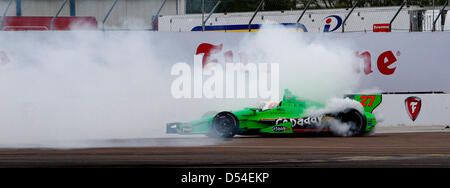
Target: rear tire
{"points": [[354, 119], [224, 125], [349, 122]]}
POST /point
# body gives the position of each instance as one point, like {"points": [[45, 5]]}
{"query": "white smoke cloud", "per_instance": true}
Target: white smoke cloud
{"points": [[80, 85], [85, 85], [313, 68], [320, 69], [341, 129], [334, 106]]}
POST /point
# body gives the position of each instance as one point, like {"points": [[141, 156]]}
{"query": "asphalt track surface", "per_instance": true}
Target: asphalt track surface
{"points": [[386, 148]]}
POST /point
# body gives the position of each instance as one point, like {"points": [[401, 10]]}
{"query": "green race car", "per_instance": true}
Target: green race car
{"points": [[290, 116]]}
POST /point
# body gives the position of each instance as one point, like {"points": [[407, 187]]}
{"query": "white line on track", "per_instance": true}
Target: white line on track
{"points": [[412, 129]]}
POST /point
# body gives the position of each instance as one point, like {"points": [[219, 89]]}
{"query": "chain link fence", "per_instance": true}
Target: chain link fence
{"points": [[318, 16], [238, 15]]}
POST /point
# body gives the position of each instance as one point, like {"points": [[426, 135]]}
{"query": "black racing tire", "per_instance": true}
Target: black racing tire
{"points": [[224, 125], [356, 119]]}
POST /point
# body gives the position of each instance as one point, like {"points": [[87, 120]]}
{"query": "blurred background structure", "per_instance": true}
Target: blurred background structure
{"points": [[227, 15]]}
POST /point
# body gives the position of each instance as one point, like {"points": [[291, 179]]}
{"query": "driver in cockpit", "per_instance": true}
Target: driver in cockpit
{"points": [[268, 105]]}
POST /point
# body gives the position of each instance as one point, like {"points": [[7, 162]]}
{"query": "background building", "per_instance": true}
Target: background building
{"points": [[127, 14], [184, 15]]}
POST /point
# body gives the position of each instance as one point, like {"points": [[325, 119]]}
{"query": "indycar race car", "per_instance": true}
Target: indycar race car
{"points": [[286, 117]]}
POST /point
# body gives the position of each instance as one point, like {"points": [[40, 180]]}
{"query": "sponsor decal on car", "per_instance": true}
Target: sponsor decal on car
{"points": [[300, 121], [280, 129], [369, 102]]}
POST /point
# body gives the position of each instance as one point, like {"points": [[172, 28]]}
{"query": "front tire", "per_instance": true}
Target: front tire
{"points": [[224, 125]]}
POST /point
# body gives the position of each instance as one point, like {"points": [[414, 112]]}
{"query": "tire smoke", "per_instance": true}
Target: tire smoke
{"points": [[334, 106], [314, 67], [84, 85]]}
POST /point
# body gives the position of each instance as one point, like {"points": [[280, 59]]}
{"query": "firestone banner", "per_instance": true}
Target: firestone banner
{"points": [[390, 62]]}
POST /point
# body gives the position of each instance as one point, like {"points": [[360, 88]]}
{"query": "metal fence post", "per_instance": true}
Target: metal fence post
{"points": [[444, 13], [210, 13], [107, 14], [4, 14], [254, 14], [304, 10], [157, 14], [59, 11], [18, 7], [437, 17], [203, 15], [346, 17], [398, 11], [72, 6], [176, 7]]}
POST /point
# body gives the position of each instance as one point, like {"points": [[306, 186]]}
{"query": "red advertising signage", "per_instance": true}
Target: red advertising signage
{"points": [[383, 27], [42, 23]]}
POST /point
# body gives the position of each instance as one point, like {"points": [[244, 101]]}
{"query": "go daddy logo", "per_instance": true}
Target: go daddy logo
{"points": [[300, 121]]}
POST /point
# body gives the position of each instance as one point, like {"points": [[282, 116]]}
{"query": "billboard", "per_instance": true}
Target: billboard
{"points": [[383, 27], [414, 110], [389, 62], [43, 23]]}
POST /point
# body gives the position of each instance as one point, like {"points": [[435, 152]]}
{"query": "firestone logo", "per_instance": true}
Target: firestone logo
{"points": [[413, 105]]}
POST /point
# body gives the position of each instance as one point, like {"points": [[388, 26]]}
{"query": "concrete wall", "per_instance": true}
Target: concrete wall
{"points": [[127, 14], [435, 110]]}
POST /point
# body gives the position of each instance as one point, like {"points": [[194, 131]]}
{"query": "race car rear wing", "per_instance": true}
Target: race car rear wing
{"points": [[368, 101]]}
